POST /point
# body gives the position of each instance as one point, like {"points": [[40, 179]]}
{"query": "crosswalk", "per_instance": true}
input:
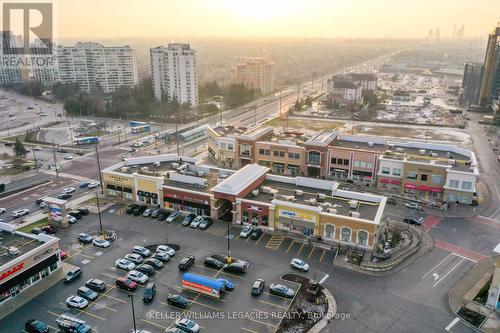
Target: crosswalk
{"points": [[275, 242]]}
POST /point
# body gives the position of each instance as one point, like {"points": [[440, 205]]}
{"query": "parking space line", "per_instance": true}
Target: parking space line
{"points": [[273, 304], [114, 298], [298, 253], [322, 255], [310, 253], [258, 240], [262, 323], [287, 250], [155, 324], [248, 330], [53, 313], [109, 275], [278, 296], [207, 306], [104, 306], [86, 312], [451, 270]]}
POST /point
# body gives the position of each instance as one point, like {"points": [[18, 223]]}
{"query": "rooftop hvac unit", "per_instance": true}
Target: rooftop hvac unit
{"points": [[241, 131], [326, 204], [274, 139], [356, 147], [156, 164], [266, 189], [388, 152], [289, 197], [353, 214], [391, 145], [273, 192], [353, 203], [300, 142], [201, 174], [433, 154], [145, 169], [332, 210], [175, 165], [321, 196], [371, 144], [452, 161], [13, 251], [299, 192], [400, 149], [422, 151], [312, 201], [255, 193], [124, 169]]}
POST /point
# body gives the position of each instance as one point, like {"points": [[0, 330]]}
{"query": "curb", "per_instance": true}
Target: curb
{"points": [[330, 315]]}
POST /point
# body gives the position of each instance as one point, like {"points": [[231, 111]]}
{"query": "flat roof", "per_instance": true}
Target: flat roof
{"points": [[367, 210], [241, 179], [23, 243]]}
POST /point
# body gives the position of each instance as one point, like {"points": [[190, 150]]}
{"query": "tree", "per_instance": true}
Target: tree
{"points": [[19, 150], [32, 88]]}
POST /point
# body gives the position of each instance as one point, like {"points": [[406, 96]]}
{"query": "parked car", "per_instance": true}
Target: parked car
{"points": [[156, 263], [213, 263], [125, 264], [71, 219], [162, 256], [135, 258], [147, 212], [63, 254], [391, 201], [76, 302], [245, 232], [142, 251], [258, 287], [49, 229], [155, 213], [39, 201], [165, 248], [96, 285], [69, 190], [256, 233], [126, 284], [130, 209], [73, 274], [281, 290], [162, 216], [236, 267], [137, 276], [196, 222], [299, 264], [93, 185], [139, 210], [2, 210], [85, 238], [36, 231], [188, 219], [101, 243], [87, 293], [187, 325], [75, 214], [413, 205], [205, 223], [228, 285], [178, 300], [414, 220], [172, 217], [146, 269], [83, 211], [20, 212], [186, 262], [149, 292], [35, 326], [64, 196]]}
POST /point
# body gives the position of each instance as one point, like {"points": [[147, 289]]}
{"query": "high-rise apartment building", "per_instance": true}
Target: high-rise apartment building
{"points": [[471, 83], [89, 64], [174, 73], [490, 87], [257, 73]]}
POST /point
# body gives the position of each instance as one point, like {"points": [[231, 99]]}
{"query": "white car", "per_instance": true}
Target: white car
{"points": [[69, 190], [100, 242], [69, 157], [20, 212], [135, 258], [76, 302], [413, 205], [71, 219], [93, 185], [37, 148], [138, 277], [42, 204], [2, 210], [187, 325], [164, 248], [246, 231], [125, 264], [299, 264]]}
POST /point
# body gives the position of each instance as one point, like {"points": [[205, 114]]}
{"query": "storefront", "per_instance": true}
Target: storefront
{"points": [[254, 214], [298, 221], [120, 186], [391, 184], [186, 201]]}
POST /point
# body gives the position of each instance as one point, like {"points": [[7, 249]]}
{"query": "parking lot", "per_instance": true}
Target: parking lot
{"points": [[111, 311]]}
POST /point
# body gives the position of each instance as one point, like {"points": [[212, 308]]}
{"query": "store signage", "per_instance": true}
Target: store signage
{"points": [[297, 215], [43, 254], [12, 271], [119, 179]]}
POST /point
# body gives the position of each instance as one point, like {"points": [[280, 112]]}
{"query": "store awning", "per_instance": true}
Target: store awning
{"points": [[396, 182], [385, 181], [423, 188], [435, 189], [296, 223], [410, 186]]}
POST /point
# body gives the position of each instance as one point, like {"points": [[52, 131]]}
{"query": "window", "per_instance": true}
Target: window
{"points": [[355, 164], [230, 146], [345, 234], [411, 175], [423, 177], [466, 185], [362, 237], [245, 150], [264, 152], [369, 165], [362, 165], [396, 172], [334, 160], [437, 179], [454, 183], [346, 162], [222, 145], [278, 153], [386, 170], [245, 217], [329, 231], [295, 156], [314, 157]]}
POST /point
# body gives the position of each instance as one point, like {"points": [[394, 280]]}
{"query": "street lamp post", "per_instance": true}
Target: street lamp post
{"points": [[99, 166], [99, 213], [133, 311], [229, 258]]}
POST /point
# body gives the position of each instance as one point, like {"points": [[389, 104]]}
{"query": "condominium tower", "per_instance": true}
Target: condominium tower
{"points": [[258, 74]]}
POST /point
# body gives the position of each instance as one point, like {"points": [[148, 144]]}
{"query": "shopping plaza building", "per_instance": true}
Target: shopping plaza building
{"points": [[253, 195], [416, 169], [29, 265]]}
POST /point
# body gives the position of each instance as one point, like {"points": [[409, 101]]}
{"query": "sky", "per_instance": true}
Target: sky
{"points": [[274, 18]]}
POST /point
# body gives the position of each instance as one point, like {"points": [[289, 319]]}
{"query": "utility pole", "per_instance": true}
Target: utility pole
{"points": [[99, 165], [221, 108], [34, 157], [177, 134], [229, 258], [133, 311], [101, 231], [55, 159]]}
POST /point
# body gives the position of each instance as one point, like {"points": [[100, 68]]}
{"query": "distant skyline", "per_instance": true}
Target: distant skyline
{"points": [[274, 18]]}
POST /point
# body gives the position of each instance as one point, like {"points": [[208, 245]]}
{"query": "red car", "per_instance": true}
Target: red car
{"points": [[126, 284], [63, 254]]}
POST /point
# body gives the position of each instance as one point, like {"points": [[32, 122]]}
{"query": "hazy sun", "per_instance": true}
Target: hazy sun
{"points": [[262, 10]]}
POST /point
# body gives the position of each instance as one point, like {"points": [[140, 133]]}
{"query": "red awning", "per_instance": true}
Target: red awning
{"points": [[435, 189], [411, 186], [423, 188], [396, 182], [385, 181]]}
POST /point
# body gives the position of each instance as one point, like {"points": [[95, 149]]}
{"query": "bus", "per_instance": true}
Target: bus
{"points": [[141, 128], [136, 123], [86, 140]]}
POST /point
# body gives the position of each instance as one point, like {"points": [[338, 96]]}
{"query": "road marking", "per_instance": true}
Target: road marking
{"points": [[262, 323], [451, 270], [109, 275], [114, 298], [102, 305], [321, 258], [258, 240], [450, 325], [53, 313], [287, 250], [207, 306], [310, 253], [298, 253], [248, 330], [155, 324], [433, 268], [275, 242], [461, 256], [273, 304], [86, 312], [324, 278]]}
